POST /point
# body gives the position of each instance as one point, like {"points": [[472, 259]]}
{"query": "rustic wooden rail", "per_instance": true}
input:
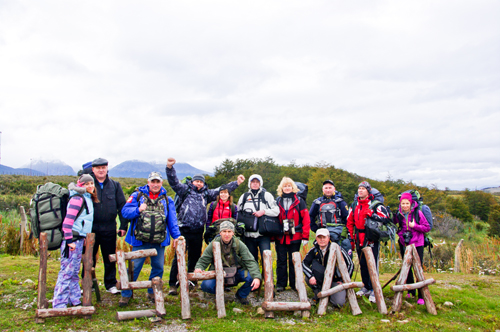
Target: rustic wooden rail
{"points": [[377, 288]]}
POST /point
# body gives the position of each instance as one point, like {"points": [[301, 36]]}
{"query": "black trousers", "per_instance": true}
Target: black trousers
{"points": [[410, 279], [107, 241], [282, 275], [194, 243], [365, 275]]}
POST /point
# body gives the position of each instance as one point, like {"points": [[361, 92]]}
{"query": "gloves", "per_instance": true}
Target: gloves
{"points": [[305, 242]]}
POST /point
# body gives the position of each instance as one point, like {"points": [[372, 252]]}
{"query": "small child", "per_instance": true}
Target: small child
{"points": [[76, 225]]}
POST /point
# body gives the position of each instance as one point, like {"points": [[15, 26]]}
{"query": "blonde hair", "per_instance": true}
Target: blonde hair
{"points": [[284, 181]]}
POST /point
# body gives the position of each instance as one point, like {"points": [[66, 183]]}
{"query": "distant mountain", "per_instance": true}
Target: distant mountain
{"points": [[52, 167], [19, 171], [491, 190], [141, 169]]}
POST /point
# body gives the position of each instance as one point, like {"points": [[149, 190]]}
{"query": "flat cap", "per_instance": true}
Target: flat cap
{"points": [[99, 162]]}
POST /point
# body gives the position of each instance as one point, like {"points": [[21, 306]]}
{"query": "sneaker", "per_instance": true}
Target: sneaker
{"points": [[172, 291], [372, 298], [124, 301], [280, 289], [241, 300], [362, 292], [421, 301], [151, 298], [113, 290], [192, 285]]}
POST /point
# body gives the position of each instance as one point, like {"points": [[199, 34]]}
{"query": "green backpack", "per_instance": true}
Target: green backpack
{"points": [[152, 223]]}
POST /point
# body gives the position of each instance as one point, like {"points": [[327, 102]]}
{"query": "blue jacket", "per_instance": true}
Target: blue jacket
{"points": [[193, 211], [131, 211], [314, 210]]}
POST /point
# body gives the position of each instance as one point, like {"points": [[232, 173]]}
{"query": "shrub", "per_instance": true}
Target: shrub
{"points": [[447, 226], [458, 209], [494, 221]]}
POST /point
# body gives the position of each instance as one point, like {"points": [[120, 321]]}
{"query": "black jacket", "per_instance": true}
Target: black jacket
{"points": [[314, 264], [111, 202]]}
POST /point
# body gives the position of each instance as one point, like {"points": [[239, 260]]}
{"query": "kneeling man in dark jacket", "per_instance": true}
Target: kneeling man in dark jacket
{"points": [[235, 255], [314, 266]]}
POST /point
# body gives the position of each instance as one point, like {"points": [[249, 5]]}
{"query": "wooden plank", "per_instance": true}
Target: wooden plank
{"points": [[159, 299], [135, 285], [135, 254], [286, 306], [57, 312], [125, 315], [87, 274], [205, 275], [327, 282], [42, 276], [268, 279], [419, 275], [182, 277], [346, 278], [219, 288], [24, 221], [299, 281], [339, 288], [417, 285], [405, 269], [122, 269], [377, 288]]}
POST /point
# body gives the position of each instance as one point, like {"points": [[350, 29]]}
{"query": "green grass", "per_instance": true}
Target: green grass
{"points": [[474, 298]]}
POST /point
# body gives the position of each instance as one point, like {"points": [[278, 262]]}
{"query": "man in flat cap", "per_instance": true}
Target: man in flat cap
{"points": [[111, 202]]}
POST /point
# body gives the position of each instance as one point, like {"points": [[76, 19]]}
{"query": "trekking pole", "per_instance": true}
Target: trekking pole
{"points": [[393, 278]]}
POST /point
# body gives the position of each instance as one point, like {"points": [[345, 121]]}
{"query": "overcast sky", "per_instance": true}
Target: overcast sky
{"points": [[410, 89]]}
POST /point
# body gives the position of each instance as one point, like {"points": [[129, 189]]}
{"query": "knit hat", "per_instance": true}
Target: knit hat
{"points": [[366, 185], [84, 179], [226, 225], [199, 177], [329, 181], [99, 162], [224, 187], [406, 196], [323, 231], [255, 176]]}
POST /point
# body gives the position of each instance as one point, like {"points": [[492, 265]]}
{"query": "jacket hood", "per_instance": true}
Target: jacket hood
{"points": [[414, 205], [255, 176], [73, 187]]}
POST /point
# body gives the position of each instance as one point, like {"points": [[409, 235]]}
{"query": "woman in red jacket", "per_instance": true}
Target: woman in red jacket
{"points": [[294, 217]]}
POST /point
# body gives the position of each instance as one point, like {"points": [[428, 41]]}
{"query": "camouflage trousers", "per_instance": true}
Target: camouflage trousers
{"points": [[67, 289]]}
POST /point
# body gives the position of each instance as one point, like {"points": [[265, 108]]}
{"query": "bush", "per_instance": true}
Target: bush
{"points": [[458, 209], [447, 226], [494, 221]]}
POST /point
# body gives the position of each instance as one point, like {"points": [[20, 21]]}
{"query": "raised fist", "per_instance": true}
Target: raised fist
{"points": [[170, 162]]}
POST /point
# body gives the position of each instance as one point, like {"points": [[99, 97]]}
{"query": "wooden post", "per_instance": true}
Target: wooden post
{"points": [[417, 285], [419, 275], [377, 288], [182, 277], [95, 285], [124, 315], [87, 275], [338, 288], [299, 281], [458, 254], [327, 282], [286, 306], [405, 269], [346, 278], [135, 254], [205, 275], [219, 288], [159, 300], [24, 221], [57, 312], [122, 269], [268, 279], [42, 276], [135, 285]]}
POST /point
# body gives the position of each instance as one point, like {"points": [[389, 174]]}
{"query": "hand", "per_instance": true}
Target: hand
{"points": [[72, 246], [305, 243], [255, 284], [174, 244], [313, 281], [259, 213], [143, 207], [240, 179], [170, 162], [121, 232], [411, 224], [197, 271]]}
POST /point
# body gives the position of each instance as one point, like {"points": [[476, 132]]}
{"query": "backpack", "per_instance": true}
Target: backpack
{"points": [[213, 230], [47, 212], [426, 210], [152, 222], [303, 190]]}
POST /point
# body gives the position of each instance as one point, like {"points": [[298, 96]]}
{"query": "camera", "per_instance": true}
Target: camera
{"points": [[289, 226], [407, 237]]}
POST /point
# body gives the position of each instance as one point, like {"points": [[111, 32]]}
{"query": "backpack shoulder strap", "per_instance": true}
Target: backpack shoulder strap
{"points": [[233, 210], [244, 200]]}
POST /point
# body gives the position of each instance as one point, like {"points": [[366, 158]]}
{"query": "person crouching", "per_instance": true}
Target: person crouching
{"points": [[237, 261]]}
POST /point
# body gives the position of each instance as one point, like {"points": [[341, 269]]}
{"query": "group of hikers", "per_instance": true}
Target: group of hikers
{"points": [[150, 219]]}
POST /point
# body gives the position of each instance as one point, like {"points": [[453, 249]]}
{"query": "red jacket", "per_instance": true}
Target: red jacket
{"points": [[299, 213]]}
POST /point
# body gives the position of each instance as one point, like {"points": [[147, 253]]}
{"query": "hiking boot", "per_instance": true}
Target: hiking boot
{"points": [[151, 298], [113, 290], [124, 301], [372, 298], [421, 301], [241, 300], [280, 289], [172, 291], [362, 292]]}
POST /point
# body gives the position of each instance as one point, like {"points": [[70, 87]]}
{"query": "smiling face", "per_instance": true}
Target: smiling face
{"points": [[287, 188], [405, 205], [224, 195], [90, 187], [322, 241], [100, 172], [155, 186], [328, 189], [198, 184]]}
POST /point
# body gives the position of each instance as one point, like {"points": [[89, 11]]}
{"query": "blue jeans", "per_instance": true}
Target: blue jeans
{"points": [[208, 286], [157, 263]]}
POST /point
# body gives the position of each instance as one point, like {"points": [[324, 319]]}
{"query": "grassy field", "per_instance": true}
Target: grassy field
{"points": [[475, 307]]}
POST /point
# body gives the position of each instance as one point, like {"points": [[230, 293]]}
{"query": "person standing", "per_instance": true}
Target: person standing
{"points": [[111, 201]]}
